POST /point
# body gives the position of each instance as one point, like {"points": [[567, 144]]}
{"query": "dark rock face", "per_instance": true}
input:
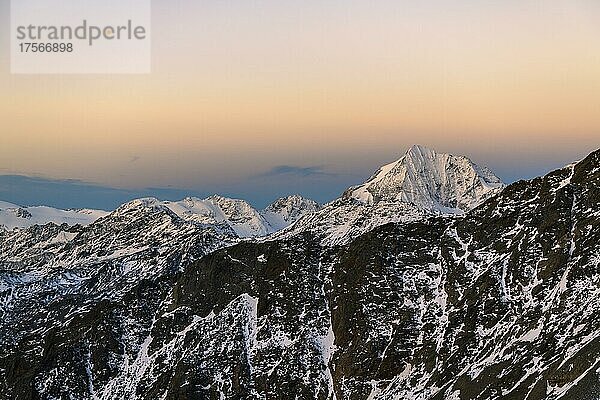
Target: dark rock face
{"points": [[22, 213], [70, 297], [499, 304]]}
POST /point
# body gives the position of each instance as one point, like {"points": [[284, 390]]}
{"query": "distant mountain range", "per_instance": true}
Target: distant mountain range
{"points": [[238, 215], [431, 280], [13, 216], [422, 181]]}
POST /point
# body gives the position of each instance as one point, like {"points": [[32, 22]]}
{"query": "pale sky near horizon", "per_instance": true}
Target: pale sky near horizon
{"points": [[332, 88]]}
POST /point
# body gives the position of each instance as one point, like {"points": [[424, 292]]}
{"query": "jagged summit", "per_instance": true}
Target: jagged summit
{"points": [[287, 210], [236, 215], [239, 215], [140, 204], [421, 184], [431, 181]]}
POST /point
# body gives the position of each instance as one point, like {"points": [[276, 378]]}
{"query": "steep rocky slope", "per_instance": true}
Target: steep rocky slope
{"points": [[498, 304], [53, 273]]}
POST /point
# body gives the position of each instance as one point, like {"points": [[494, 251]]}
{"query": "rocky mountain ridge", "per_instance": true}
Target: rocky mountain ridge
{"points": [[421, 184], [497, 303], [243, 219]]}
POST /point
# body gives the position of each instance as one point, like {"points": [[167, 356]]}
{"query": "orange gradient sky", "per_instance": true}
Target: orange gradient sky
{"points": [[240, 87]]}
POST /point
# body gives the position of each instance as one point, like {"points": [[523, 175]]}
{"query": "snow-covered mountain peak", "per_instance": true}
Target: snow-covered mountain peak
{"points": [[229, 216], [232, 207], [291, 206], [287, 210], [240, 215], [13, 216], [419, 151], [432, 181], [139, 208], [146, 202]]}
